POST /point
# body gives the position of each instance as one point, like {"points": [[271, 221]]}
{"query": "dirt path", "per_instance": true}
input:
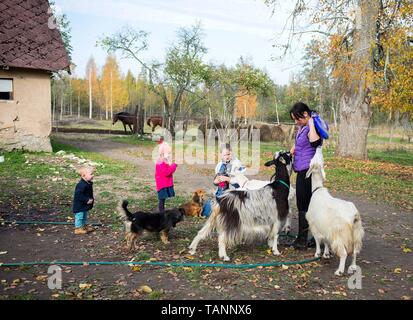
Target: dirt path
{"points": [[387, 270]]}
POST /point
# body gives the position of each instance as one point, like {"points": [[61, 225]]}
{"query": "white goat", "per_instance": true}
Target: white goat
{"points": [[333, 221], [247, 184]]}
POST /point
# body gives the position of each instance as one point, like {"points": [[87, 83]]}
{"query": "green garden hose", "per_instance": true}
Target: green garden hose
{"points": [[49, 222], [162, 264]]}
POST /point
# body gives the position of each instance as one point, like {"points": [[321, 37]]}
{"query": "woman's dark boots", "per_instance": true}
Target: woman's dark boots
{"points": [[311, 243], [300, 243]]}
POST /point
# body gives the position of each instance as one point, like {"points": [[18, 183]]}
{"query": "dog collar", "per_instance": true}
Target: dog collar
{"points": [[285, 184], [318, 188]]}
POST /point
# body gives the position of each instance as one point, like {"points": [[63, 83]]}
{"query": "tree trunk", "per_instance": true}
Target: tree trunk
{"points": [[353, 127], [90, 94], [355, 111], [139, 120], [111, 98], [61, 103]]}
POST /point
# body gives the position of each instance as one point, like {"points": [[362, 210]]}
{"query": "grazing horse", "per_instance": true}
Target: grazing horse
{"points": [[126, 118], [156, 121]]}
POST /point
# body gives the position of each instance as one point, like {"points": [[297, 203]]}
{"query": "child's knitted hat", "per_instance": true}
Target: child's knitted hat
{"points": [[164, 149]]}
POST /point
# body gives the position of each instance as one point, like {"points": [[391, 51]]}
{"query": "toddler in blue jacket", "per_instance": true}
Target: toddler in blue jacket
{"points": [[83, 200]]}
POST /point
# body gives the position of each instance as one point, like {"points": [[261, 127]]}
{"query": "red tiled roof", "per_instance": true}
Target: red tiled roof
{"points": [[26, 41]]}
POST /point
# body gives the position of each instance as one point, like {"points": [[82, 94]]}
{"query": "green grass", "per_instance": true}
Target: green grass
{"points": [[134, 140], [378, 139], [396, 156], [45, 181], [109, 166], [371, 183], [155, 295], [142, 256], [29, 165]]}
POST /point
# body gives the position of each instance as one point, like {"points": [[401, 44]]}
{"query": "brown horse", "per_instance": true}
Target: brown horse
{"points": [[126, 118], [156, 121]]}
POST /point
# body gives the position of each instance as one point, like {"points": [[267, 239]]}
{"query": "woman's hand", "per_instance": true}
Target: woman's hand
{"points": [[292, 151], [226, 179], [312, 135], [222, 179]]}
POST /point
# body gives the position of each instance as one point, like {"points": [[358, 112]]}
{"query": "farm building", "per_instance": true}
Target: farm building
{"points": [[31, 48]]}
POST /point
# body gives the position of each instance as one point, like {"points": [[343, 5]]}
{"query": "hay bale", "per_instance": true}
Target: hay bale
{"points": [[215, 125], [265, 132], [277, 133]]}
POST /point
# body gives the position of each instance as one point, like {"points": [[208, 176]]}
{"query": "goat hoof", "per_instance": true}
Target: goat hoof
{"points": [[352, 269], [317, 255], [326, 256], [192, 251], [276, 253], [286, 229], [225, 258], [339, 273]]}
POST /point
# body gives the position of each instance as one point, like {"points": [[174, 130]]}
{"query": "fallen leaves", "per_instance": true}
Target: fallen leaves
{"points": [[41, 278], [406, 249], [339, 293], [136, 268], [145, 289], [84, 286], [322, 291]]}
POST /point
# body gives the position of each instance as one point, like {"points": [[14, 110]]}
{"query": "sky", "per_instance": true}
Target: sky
{"points": [[232, 28]]}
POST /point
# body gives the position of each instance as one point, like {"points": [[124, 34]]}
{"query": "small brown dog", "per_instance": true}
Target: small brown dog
{"points": [[194, 207]]}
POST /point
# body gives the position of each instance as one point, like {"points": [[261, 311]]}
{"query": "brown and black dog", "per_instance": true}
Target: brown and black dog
{"points": [[136, 223], [194, 207]]}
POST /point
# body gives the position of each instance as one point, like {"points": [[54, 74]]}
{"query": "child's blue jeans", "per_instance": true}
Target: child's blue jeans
{"points": [[207, 208], [80, 219]]}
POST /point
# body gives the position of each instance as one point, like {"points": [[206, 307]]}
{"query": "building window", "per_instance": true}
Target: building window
{"points": [[6, 89]]}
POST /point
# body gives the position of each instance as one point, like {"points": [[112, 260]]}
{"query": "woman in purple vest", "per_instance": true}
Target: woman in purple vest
{"points": [[306, 142]]}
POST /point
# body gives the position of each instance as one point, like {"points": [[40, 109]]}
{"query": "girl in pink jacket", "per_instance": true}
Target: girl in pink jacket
{"points": [[164, 175]]}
